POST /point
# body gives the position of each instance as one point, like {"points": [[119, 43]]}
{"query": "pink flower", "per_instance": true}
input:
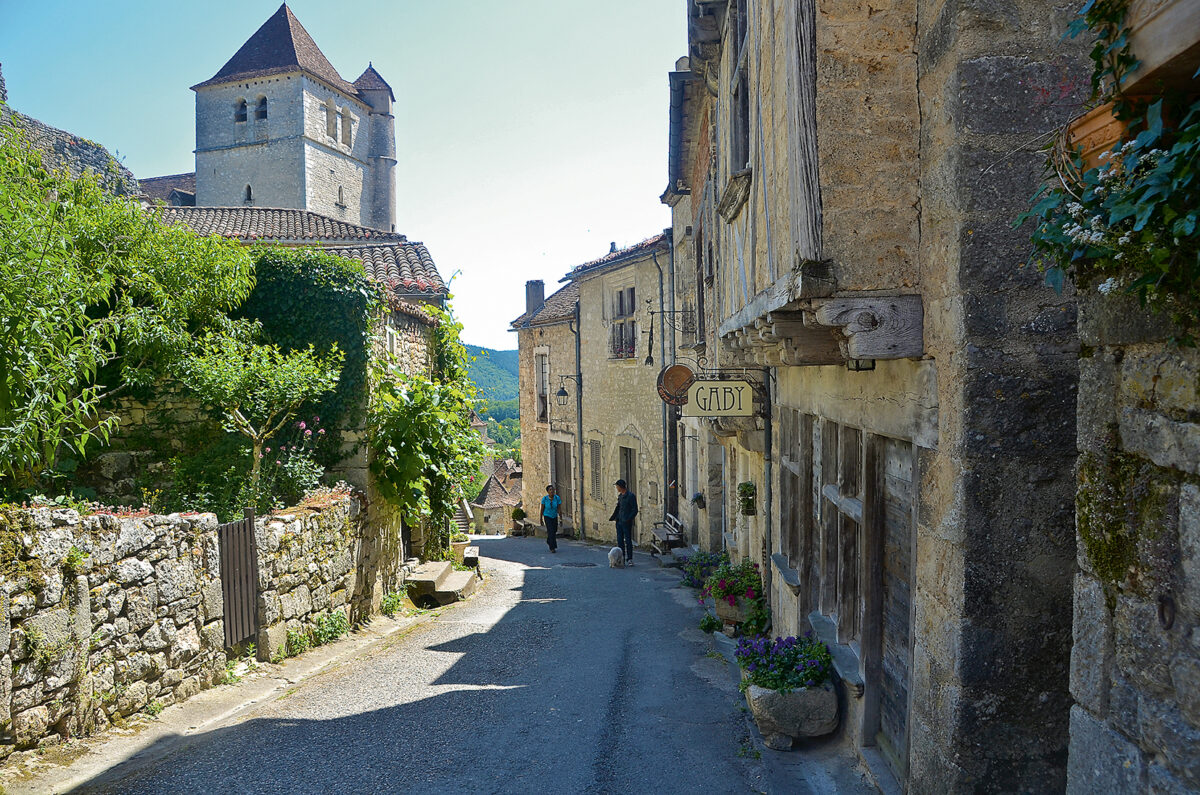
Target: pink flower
{"points": [[320, 432], [308, 433], [277, 461], [301, 425], [749, 593], [267, 450], [731, 600]]}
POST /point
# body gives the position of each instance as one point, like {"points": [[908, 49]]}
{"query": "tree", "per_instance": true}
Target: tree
{"points": [[96, 296], [258, 387]]}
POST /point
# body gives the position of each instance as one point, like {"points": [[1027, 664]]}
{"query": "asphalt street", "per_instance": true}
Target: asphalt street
{"points": [[560, 675]]}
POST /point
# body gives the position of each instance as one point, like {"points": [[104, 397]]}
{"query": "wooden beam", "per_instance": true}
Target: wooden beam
{"points": [[875, 327]]}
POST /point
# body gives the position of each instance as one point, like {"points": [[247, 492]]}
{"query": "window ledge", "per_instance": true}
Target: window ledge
{"points": [[785, 572], [845, 661]]}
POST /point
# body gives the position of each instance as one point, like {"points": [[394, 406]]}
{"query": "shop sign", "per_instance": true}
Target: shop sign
{"points": [[720, 399]]}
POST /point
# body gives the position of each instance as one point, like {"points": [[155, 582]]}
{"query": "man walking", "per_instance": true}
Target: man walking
{"points": [[626, 511], [550, 505]]}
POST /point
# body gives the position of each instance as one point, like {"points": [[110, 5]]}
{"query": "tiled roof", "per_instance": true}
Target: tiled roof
{"points": [[387, 257], [494, 495], [271, 223], [405, 267], [371, 80], [280, 45], [558, 307], [161, 187], [658, 241]]}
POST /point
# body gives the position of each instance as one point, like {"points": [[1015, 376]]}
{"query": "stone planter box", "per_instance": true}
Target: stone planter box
{"points": [[782, 717], [731, 613], [457, 548], [1165, 36], [1095, 133]]}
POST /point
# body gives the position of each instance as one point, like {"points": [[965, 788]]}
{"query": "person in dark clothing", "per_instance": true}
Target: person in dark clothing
{"points": [[624, 514], [550, 505]]}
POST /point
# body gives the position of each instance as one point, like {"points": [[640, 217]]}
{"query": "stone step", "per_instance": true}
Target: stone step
{"points": [[459, 585], [428, 578], [471, 557]]}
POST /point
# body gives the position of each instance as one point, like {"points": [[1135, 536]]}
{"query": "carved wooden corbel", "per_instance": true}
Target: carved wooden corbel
{"points": [[873, 327], [734, 197]]}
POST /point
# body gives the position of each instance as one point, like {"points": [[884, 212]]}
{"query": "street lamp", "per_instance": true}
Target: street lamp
{"points": [[562, 396]]}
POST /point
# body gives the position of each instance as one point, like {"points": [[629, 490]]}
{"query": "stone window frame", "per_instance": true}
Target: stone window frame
{"points": [[331, 119], [621, 313], [260, 108], [347, 122], [248, 195], [241, 110], [739, 118], [341, 197], [541, 384]]}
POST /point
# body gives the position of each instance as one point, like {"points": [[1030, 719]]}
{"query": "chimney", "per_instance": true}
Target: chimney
{"points": [[612, 247], [535, 296]]}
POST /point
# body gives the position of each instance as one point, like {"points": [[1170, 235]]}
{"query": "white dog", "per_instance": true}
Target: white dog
{"points": [[616, 558]]}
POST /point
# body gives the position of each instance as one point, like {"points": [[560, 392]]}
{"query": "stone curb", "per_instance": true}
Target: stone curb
{"points": [[64, 768]]}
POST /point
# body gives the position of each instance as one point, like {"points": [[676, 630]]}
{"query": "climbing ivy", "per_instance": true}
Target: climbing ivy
{"points": [[306, 297], [425, 452]]}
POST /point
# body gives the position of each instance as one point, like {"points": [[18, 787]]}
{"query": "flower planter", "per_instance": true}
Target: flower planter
{"points": [[457, 548], [731, 613], [782, 717], [1165, 36], [1095, 133]]}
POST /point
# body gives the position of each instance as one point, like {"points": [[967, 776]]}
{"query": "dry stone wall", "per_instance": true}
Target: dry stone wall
{"points": [[101, 616], [311, 563], [1135, 662]]}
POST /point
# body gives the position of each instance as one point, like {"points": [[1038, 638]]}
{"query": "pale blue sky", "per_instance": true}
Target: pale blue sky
{"points": [[531, 133]]}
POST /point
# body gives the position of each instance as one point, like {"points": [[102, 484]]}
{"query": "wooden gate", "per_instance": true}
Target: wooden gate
{"points": [[239, 579]]}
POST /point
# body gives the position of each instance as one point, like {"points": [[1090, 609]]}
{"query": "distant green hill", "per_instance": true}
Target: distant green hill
{"points": [[494, 373]]}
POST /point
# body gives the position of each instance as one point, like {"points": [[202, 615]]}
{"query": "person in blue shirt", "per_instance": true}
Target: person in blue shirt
{"points": [[550, 506]]}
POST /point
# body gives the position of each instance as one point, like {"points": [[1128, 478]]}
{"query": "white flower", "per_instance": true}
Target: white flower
{"points": [[1109, 284]]}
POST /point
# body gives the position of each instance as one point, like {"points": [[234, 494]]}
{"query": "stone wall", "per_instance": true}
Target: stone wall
{"points": [[316, 561], [1135, 663], [101, 616]]}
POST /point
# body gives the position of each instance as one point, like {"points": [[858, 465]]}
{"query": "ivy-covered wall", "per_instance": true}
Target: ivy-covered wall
{"points": [[1135, 662]]}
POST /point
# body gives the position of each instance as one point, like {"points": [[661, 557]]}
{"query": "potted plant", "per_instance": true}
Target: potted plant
{"points": [[788, 684], [746, 493], [698, 500], [518, 514], [734, 590], [458, 545]]}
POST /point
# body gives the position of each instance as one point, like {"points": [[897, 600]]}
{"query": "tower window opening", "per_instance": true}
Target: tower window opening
{"points": [[239, 112], [330, 119], [261, 111], [341, 196], [347, 126], [249, 195]]}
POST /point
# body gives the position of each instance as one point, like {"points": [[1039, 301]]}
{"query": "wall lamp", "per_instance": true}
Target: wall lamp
{"points": [[562, 396]]}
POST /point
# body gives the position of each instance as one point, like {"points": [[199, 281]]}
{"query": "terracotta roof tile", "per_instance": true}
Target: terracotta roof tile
{"points": [[388, 257], [280, 45], [658, 241], [161, 187], [494, 495], [558, 307], [272, 223]]}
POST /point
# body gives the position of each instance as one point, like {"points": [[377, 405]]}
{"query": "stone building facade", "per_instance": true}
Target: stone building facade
{"points": [[547, 350], [589, 357], [277, 126], [842, 180]]}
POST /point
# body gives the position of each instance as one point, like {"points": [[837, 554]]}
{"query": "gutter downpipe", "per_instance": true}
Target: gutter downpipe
{"points": [[662, 357], [579, 419]]}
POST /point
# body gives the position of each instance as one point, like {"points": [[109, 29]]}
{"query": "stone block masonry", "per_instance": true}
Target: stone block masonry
{"points": [[101, 616], [311, 563]]}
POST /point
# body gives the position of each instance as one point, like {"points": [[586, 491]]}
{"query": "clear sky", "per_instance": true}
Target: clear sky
{"points": [[530, 133]]}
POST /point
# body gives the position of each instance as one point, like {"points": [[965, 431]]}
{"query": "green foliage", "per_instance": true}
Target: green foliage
{"points": [[96, 296], [426, 455], [784, 664], [710, 623], [518, 513], [500, 410], [698, 567], [460, 537], [393, 601], [308, 297], [298, 642], [494, 373], [75, 562], [258, 387], [1133, 222], [730, 582], [154, 708], [329, 627]]}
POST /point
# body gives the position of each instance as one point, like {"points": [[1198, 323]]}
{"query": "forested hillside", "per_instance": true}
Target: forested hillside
{"points": [[495, 375], [494, 372]]}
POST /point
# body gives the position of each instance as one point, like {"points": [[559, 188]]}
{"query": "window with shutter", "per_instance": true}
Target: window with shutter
{"points": [[594, 450]]}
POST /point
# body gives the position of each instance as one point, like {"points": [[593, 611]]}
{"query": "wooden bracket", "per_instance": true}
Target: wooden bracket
{"points": [[734, 197], [874, 327]]}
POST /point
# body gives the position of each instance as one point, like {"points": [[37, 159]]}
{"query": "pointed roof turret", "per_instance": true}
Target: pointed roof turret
{"points": [[280, 45], [371, 80]]}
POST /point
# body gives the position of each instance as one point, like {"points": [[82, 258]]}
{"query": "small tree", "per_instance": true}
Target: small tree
{"points": [[258, 387]]}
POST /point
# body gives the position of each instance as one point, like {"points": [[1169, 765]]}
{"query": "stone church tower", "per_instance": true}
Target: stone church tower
{"points": [[277, 126]]}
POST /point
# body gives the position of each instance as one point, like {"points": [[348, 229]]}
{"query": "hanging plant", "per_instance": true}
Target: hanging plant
{"points": [[747, 493]]}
